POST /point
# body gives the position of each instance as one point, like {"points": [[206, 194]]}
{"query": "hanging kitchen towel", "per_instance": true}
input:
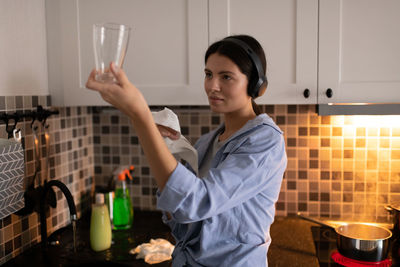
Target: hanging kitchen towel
{"points": [[11, 177], [181, 148]]}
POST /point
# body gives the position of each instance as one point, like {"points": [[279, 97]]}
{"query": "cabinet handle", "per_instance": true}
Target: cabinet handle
{"points": [[306, 93], [329, 93]]}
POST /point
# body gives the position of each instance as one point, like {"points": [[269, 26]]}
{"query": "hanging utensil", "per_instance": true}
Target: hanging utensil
{"points": [[359, 241], [51, 195]]}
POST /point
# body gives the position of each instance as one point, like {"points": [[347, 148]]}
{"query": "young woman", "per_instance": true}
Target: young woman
{"points": [[222, 216]]}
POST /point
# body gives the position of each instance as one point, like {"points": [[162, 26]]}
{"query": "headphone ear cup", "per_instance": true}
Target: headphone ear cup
{"points": [[258, 88]]}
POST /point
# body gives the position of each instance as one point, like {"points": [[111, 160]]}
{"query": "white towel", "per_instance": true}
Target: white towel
{"points": [[158, 250], [181, 148]]}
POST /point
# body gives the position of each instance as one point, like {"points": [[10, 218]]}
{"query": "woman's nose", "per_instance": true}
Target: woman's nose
{"points": [[212, 85]]}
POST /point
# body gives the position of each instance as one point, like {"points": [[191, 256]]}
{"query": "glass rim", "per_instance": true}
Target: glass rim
{"points": [[112, 26]]}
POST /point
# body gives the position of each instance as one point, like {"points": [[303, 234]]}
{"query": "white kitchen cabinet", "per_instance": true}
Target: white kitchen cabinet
{"points": [[165, 53], [350, 47], [288, 32], [359, 51], [23, 65]]}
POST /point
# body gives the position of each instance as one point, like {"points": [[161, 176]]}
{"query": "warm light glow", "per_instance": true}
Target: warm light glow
{"points": [[376, 121]]}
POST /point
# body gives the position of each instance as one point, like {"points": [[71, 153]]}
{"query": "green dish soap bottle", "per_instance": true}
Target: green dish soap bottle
{"points": [[122, 206]]}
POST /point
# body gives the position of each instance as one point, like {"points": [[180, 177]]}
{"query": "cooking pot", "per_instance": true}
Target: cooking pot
{"points": [[360, 241]]}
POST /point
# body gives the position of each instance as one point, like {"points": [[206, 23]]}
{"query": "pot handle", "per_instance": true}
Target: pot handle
{"points": [[300, 215], [390, 209]]}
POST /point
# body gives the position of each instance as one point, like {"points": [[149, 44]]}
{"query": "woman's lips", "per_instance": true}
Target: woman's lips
{"points": [[215, 99]]}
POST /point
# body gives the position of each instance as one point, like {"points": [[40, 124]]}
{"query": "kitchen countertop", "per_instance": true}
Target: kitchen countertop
{"points": [[292, 245]]}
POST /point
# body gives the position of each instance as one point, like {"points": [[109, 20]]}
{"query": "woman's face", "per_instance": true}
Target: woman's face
{"points": [[225, 85]]}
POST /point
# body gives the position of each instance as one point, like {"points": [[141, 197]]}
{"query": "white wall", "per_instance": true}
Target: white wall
{"points": [[23, 53]]}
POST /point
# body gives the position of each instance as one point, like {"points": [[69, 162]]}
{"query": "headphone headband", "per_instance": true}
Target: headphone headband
{"points": [[261, 83]]}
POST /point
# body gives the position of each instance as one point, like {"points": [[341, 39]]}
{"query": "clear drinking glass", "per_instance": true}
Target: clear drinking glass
{"points": [[110, 43]]}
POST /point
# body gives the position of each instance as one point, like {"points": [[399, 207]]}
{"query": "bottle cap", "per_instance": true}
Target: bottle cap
{"points": [[99, 198]]}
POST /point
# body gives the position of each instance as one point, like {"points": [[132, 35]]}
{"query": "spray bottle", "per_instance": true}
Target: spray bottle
{"points": [[122, 207]]}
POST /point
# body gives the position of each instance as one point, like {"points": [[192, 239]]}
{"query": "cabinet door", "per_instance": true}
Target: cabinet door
{"points": [[359, 51], [165, 53], [288, 32]]}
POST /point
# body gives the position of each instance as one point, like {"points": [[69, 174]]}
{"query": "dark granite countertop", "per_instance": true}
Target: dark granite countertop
{"points": [[292, 245], [146, 225]]}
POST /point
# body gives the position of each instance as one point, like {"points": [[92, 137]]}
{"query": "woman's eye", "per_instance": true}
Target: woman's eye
{"points": [[226, 77], [208, 75]]}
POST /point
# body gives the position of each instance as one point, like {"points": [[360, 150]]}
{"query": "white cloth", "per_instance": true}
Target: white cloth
{"points": [[158, 250], [181, 148]]}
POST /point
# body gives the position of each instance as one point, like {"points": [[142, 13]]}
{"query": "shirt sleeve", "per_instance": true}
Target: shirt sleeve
{"points": [[245, 170]]}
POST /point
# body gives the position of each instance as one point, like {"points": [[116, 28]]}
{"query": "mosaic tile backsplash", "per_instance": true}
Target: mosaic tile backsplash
{"points": [[338, 166], [70, 160]]}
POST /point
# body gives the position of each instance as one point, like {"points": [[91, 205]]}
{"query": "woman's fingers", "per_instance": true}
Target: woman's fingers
{"points": [[119, 74], [168, 132]]}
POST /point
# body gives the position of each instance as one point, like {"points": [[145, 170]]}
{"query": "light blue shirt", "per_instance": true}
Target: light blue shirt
{"points": [[223, 218]]}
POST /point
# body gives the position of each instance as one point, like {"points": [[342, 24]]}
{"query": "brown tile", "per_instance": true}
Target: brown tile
{"points": [[314, 131], [347, 176], [396, 132], [314, 120], [336, 186], [302, 164], [359, 187], [336, 175], [303, 142], [314, 164], [325, 142], [348, 154], [291, 153], [302, 174], [313, 153], [325, 175], [291, 142], [291, 109], [395, 154], [325, 120], [304, 108], [303, 131], [291, 120]]}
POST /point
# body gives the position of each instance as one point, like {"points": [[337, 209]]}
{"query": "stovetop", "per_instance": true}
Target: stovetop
{"points": [[325, 244]]}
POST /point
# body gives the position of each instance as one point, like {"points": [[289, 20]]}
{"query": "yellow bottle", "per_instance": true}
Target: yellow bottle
{"points": [[100, 227]]}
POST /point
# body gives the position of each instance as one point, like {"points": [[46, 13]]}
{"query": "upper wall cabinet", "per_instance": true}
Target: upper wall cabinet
{"points": [[318, 51], [165, 54], [288, 32], [359, 51]]}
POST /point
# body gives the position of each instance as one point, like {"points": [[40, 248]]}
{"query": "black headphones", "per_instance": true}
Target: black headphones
{"points": [[260, 83]]}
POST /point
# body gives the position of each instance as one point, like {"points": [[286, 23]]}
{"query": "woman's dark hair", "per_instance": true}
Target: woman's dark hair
{"points": [[240, 57]]}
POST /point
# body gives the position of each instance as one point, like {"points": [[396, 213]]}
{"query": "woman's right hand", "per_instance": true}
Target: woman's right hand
{"points": [[123, 94]]}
